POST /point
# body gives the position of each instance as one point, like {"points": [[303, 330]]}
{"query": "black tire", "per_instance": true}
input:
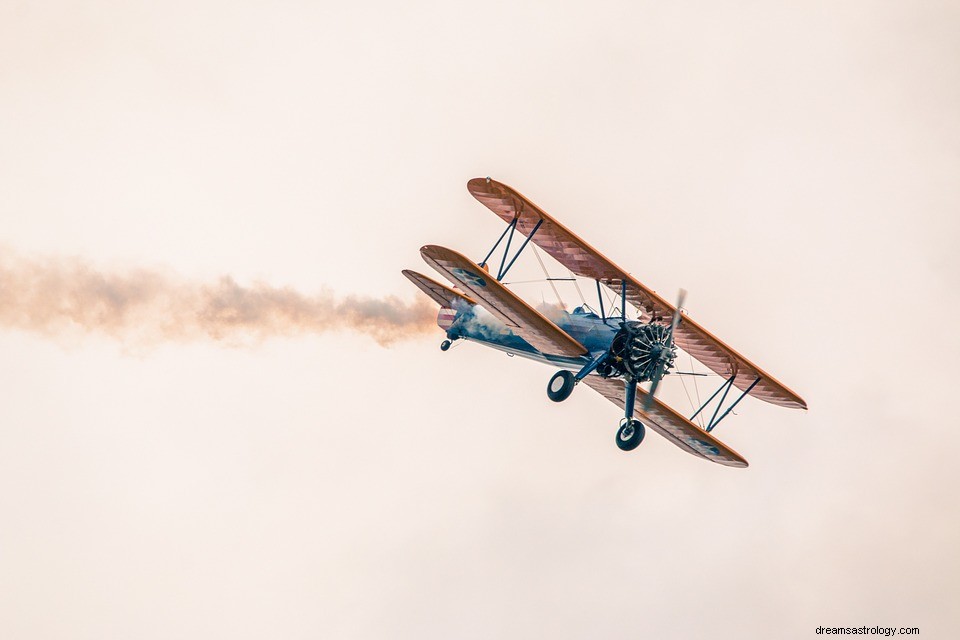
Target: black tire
{"points": [[445, 345], [561, 386], [630, 435]]}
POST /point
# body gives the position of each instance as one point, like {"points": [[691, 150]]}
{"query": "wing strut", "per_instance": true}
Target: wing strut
{"points": [[502, 271], [519, 251], [509, 229], [623, 300], [725, 387], [603, 315]]}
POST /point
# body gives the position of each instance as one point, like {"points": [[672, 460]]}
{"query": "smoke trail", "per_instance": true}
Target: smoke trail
{"points": [[59, 297]]}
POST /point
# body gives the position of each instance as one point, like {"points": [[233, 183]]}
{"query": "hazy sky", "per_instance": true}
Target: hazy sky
{"points": [[795, 167]]}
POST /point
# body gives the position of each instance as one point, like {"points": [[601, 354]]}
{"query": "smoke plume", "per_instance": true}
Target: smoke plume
{"points": [[60, 297]]}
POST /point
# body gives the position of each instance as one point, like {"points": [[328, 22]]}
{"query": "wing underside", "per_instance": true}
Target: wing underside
{"points": [[585, 261]]}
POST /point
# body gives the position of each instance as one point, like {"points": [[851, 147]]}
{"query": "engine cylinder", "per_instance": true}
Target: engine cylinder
{"points": [[638, 350]]}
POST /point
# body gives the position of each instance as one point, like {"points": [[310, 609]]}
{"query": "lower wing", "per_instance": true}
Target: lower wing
{"points": [[670, 424]]}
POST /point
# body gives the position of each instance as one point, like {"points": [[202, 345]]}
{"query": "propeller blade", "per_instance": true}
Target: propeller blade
{"points": [[657, 377], [659, 372], [676, 314]]}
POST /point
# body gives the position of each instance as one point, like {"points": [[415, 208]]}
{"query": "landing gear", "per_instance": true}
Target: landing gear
{"points": [[630, 435], [561, 386], [445, 345], [631, 432]]}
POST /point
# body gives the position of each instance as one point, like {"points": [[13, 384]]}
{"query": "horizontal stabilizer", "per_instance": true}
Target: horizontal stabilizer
{"points": [[441, 293]]}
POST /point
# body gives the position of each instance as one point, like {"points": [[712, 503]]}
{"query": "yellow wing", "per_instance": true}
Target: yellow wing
{"points": [[582, 259], [441, 294]]}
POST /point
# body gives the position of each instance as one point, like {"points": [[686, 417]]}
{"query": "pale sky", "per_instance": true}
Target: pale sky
{"points": [[795, 167]]}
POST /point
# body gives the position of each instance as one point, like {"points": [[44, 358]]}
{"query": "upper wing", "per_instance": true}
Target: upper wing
{"points": [[582, 259], [441, 294], [523, 320], [670, 424]]}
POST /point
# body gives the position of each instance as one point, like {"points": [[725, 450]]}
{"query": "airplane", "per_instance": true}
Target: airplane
{"points": [[611, 354]]}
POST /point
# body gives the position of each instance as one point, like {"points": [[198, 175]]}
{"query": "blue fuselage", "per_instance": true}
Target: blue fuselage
{"points": [[584, 326]]}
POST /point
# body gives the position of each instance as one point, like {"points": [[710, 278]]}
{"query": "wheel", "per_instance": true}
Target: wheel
{"points": [[630, 435], [445, 345], [560, 386]]}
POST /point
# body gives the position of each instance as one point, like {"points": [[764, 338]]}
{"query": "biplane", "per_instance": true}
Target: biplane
{"points": [[610, 353]]}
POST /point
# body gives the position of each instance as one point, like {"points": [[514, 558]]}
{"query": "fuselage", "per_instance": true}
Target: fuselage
{"points": [[589, 329]]}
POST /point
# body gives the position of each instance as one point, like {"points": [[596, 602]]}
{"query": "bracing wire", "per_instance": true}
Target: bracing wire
{"points": [[689, 399], [577, 285], [537, 280], [697, 389], [547, 276], [613, 300]]}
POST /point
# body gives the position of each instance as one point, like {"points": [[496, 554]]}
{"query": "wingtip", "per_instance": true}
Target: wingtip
{"points": [[431, 250], [413, 276], [480, 185], [738, 463]]}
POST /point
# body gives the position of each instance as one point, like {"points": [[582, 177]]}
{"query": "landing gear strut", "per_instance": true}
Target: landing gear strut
{"points": [[631, 432]]}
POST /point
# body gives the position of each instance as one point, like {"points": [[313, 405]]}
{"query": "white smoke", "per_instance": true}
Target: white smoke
{"points": [[64, 296]]}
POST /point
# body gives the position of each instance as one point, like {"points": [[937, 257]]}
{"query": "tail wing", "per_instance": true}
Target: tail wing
{"points": [[441, 294]]}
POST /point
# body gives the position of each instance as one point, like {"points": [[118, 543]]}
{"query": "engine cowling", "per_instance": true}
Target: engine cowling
{"points": [[638, 350]]}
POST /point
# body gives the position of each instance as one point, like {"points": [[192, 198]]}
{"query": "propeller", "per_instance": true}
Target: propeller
{"points": [[664, 355]]}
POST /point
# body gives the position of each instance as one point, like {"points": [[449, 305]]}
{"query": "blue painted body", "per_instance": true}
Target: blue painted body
{"points": [[583, 325]]}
